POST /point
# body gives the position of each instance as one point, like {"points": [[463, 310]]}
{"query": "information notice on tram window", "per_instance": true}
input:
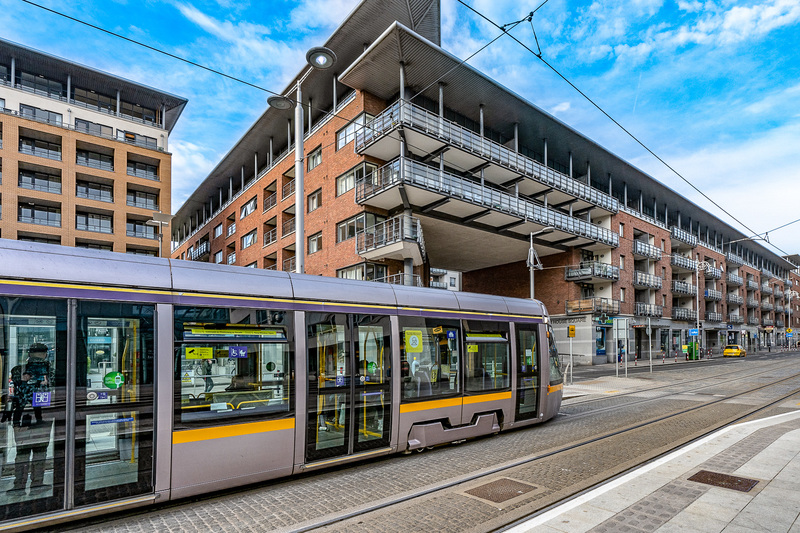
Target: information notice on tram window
{"points": [[413, 341], [239, 332], [199, 352]]}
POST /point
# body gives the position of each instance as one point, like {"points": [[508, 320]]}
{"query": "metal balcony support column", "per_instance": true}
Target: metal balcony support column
{"points": [[516, 140], [13, 71], [69, 87], [588, 173], [299, 211], [335, 79], [570, 166], [641, 202], [163, 116], [625, 194], [481, 119], [441, 99], [309, 114], [288, 133], [545, 151], [242, 177], [610, 185], [402, 98], [220, 196], [118, 103], [230, 187], [679, 220], [408, 262], [270, 152], [255, 165]]}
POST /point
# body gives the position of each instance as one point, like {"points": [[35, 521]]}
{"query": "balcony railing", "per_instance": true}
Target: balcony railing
{"points": [[779, 322], [288, 190], [400, 279], [437, 284], [734, 299], [731, 257], [643, 279], [681, 287], [142, 233], [593, 305], [766, 273], [683, 262], [289, 265], [779, 308], [767, 322], [752, 285], [94, 163], [270, 236], [406, 171], [787, 282], [681, 313], [40, 152], [592, 269], [643, 309], [735, 319], [713, 295], [270, 201], [766, 306], [391, 231], [288, 227], [405, 113], [683, 236], [753, 321], [644, 249], [54, 220], [137, 172], [438, 271], [231, 230], [778, 294], [203, 249], [733, 279], [713, 272], [752, 303], [713, 317], [766, 289], [232, 258], [96, 228]]}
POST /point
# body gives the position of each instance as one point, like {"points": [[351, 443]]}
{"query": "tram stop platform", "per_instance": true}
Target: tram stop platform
{"points": [[743, 478]]}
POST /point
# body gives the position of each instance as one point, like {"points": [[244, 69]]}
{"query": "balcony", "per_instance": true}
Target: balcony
{"points": [[732, 258], [643, 309], [288, 227], [779, 308], [40, 149], [752, 285], [734, 299], [753, 321], [400, 279], [787, 283], [202, 251], [270, 236], [713, 295], [289, 265], [136, 171], [232, 258], [766, 306], [645, 280], [398, 238], [437, 285], [681, 263], [680, 235], [713, 317], [288, 190], [681, 313], [438, 271], [778, 294], [644, 249], [375, 138], [381, 189], [142, 233], [231, 230], [592, 271], [767, 322], [270, 201], [713, 272], [766, 289], [752, 303], [681, 287], [766, 273], [779, 323], [733, 279], [735, 319], [595, 306]]}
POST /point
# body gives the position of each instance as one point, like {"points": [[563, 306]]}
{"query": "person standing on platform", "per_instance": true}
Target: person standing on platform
{"points": [[207, 375]]}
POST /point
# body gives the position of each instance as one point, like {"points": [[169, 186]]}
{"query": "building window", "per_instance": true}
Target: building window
{"points": [[452, 282], [622, 262], [94, 99], [94, 191], [94, 222], [663, 245], [364, 271], [622, 294], [145, 200], [39, 181], [248, 208], [218, 232], [251, 265], [94, 129], [314, 159], [315, 243], [39, 214], [41, 115], [348, 133], [621, 229], [96, 160], [347, 229], [249, 239], [315, 200], [348, 180], [218, 257]]}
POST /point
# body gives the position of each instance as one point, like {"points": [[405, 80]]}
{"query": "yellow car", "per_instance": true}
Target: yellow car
{"points": [[734, 350]]}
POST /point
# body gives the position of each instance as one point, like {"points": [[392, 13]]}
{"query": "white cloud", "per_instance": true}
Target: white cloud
{"points": [[781, 100], [560, 108], [321, 14], [191, 164]]}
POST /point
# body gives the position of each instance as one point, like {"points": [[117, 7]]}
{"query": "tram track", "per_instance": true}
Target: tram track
{"points": [[346, 521]]}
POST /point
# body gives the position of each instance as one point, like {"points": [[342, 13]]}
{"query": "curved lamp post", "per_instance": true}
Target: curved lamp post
{"points": [[533, 261]]}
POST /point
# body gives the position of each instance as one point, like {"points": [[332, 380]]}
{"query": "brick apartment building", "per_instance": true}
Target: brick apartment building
{"points": [[408, 176], [83, 155]]}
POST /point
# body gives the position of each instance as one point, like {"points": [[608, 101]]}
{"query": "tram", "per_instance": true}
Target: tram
{"points": [[131, 380]]}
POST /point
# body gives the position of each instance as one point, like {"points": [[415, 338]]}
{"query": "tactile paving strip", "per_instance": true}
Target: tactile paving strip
{"points": [[500, 490]]}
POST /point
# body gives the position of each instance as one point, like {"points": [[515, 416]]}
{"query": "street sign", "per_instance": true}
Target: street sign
{"points": [[571, 331], [790, 335], [694, 332], [788, 330]]}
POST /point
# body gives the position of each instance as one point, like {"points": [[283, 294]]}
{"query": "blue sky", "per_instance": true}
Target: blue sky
{"points": [[711, 87]]}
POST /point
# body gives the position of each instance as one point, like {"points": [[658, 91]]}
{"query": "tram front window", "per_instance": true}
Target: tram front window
{"points": [[556, 377], [232, 363]]}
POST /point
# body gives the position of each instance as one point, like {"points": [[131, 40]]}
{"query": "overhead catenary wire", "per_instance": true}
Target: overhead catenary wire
{"points": [[618, 124]]}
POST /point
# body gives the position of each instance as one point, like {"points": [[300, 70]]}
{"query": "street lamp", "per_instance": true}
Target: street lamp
{"points": [[533, 261], [159, 219], [701, 265], [318, 58]]}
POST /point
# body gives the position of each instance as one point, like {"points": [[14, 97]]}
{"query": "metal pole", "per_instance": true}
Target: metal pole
{"points": [[299, 241], [531, 266], [570, 360], [650, 343]]}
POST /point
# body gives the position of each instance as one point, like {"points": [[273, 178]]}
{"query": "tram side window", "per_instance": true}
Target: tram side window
{"points": [[429, 357], [556, 378], [232, 363], [488, 357]]}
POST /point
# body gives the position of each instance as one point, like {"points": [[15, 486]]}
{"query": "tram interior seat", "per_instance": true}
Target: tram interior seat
{"points": [[238, 398]]}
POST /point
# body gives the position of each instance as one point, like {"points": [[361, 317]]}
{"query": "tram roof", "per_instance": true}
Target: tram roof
{"points": [[63, 264]]}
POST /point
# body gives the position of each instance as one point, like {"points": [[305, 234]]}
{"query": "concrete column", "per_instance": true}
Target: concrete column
{"points": [[13, 71], [516, 137], [118, 103], [545, 151], [335, 105]]}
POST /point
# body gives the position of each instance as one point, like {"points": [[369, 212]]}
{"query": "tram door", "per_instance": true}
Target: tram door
{"points": [[349, 390], [113, 401], [528, 371]]}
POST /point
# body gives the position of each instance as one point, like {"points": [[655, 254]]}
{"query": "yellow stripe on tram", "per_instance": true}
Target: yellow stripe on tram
{"points": [[487, 397], [424, 406], [238, 430]]}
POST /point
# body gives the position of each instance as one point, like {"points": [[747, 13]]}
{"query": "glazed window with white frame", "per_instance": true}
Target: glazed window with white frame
{"points": [[314, 159], [249, 239], [348, 133], [218, 231], [249, 207], [315, 243], [348, 180]]}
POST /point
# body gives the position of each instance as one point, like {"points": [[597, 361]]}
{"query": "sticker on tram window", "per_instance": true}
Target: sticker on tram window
{"points": [[41, 399], [437, 330], [451, 334], [472, 348], [233, 331], [413, 341], [197, 352], [237, 352]]}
